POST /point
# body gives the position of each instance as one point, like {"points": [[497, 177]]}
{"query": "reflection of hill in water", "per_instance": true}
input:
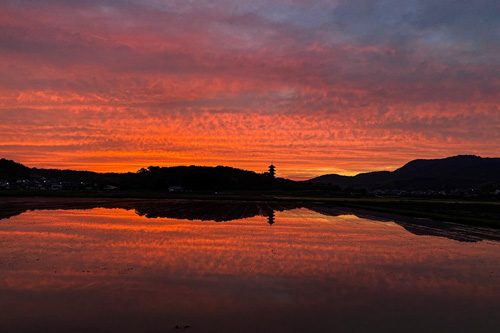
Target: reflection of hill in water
{"points": [[211, 211], [419, 227], [220, 211]]}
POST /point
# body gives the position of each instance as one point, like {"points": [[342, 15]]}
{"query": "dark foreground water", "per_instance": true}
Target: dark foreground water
{"points": [[278, 269]]}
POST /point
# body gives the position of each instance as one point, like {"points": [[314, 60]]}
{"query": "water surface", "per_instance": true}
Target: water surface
{"points": [[269, 268]]}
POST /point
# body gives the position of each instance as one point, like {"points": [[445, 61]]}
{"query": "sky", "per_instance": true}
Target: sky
{"points": [[315, 87]]}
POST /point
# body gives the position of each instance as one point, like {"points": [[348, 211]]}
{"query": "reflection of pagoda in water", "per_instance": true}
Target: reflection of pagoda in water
{"points": [[272, 169], [270, 217]]}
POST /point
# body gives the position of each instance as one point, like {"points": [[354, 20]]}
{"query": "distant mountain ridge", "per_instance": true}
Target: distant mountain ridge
{"points": [[462, 171]]}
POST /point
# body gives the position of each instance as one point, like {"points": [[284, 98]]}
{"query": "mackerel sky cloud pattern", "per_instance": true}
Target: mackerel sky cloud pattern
{"points": [[317, 86]]}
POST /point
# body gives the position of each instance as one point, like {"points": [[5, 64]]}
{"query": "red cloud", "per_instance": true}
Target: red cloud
{"points": [[119, 88]]}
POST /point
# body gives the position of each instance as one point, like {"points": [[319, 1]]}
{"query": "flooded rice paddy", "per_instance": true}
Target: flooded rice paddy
{"points": [[161, 266]]}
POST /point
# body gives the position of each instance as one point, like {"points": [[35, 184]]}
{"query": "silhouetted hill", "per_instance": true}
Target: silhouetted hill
{"points": [[12, 170], [463, 172], [88, 177], [457, 172], [154, 178], [204, 178]]}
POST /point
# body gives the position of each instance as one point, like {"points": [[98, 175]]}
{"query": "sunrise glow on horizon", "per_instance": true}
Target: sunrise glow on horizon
{"points": [[317, 87]]}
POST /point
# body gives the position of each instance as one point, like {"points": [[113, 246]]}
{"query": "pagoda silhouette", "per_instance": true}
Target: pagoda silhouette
{"points": [[272, 169]]}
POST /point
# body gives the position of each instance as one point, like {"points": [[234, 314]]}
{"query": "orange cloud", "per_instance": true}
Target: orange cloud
{"points": [[116, 88]]}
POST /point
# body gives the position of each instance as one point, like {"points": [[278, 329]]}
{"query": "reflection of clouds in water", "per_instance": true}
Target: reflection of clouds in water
{"points": [[223, 211], [303, 266]]}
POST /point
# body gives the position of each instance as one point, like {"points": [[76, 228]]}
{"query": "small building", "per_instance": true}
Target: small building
{"points": [[56, 187], [176, 189]]}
